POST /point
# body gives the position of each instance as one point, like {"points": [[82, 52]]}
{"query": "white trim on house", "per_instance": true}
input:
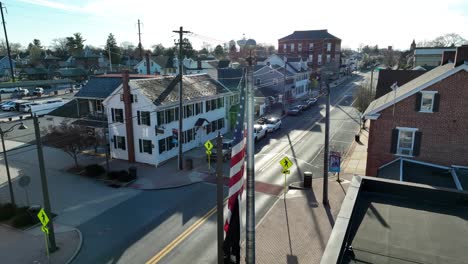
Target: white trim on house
{"points": [[456, 180], [401, 170], [417, 89], [406, 129], [430, 93], [460, 167], [388, 163], [373, 117], [427, 164]]}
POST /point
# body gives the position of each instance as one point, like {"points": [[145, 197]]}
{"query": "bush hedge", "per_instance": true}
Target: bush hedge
{"points": [[94, 170], [7, 211], [23, 218], [122, 176]]}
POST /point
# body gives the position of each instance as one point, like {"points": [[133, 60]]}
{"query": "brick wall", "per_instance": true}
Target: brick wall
{"points": [[320, 47], [444, 133]]}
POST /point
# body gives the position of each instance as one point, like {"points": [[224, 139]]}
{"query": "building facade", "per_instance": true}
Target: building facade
{"points": [[143, 117], [317, 47], [424, 120]]}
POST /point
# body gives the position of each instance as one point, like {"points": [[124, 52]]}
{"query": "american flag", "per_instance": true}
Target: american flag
{"points": [[236, 180]]}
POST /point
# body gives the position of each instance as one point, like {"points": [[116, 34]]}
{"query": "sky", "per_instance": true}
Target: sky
{"points": [[384, 23]]}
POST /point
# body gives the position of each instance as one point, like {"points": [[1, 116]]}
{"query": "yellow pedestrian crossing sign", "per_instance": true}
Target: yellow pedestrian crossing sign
{"points": [[45, 229], [43, 217], [208, 145], [286, 163]]}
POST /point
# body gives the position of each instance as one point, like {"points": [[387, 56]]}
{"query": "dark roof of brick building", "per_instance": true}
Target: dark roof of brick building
{"points": [[388, 77], [309, 35], [230, 77]]}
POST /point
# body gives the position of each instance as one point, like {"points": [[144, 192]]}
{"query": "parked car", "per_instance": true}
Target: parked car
{"points": [[9, 90], [5, 102], [302, 106], [26, 107], [46, 107], [259, 132], [38, 91], [272, 124], [22, 92], [310, 102], [12, 105], [294, 111], [227, 147]]}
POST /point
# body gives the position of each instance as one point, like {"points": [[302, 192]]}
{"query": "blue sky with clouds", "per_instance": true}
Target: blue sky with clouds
{"points": [[393, 23]]}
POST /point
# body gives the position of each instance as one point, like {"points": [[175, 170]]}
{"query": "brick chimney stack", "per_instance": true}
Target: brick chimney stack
{"points": [[462, 55], [148, 69], [127, 100], [447, 56]]}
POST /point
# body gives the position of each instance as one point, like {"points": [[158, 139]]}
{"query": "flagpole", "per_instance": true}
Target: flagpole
{"points": [[219, 195], [250, 201]]}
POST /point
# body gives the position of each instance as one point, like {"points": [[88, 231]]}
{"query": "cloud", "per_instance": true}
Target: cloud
{"points": [[55, 5]]}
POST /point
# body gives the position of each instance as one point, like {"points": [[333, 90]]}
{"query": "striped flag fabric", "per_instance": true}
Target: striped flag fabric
{"points": [[236, 184]]}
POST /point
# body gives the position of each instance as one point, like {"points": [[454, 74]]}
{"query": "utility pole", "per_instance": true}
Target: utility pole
{"points": [[219, 196], [7, 44], [250, 202], [327, 145], [284, 87], [181, 110], [45, 190], [139, 41]]}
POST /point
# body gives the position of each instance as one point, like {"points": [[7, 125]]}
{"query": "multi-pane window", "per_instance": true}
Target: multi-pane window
{"points": [[328, 46], [144, 118], [119, 142], [405, 142], [311, 58], [292, 47], [117, 115], [427, 101], [328, 58], [189, 135], [146, 146], [311, 46], [285, 47], [198, 108], [299, 47], [167, 116], [214, 104], [215, 125], [319, 59], [166, 144], [99, 105]]}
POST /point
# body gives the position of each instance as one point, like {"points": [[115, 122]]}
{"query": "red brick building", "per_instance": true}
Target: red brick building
{"points": [[425, 120], [318, 47]]}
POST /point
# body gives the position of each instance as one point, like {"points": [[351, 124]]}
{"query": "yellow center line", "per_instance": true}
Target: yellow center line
{"points": [[174, 243]]}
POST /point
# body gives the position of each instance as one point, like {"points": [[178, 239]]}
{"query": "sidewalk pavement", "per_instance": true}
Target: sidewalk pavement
{"points": [[23, 247], [297, 227]]}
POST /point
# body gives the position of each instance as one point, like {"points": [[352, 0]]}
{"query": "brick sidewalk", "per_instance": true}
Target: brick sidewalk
{"points": [[296, 229]]}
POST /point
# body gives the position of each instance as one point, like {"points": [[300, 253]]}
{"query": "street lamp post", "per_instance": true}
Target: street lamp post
{"points": [[2, 134]]}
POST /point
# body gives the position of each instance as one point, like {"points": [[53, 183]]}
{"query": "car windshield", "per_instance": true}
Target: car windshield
{"points": [[271, 121]]}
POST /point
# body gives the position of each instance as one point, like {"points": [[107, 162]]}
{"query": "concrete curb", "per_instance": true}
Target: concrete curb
{"points": [[78, 249], [167, 187]]}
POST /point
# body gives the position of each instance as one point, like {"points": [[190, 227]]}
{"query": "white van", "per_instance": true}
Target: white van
{"points": [[26, 107]]}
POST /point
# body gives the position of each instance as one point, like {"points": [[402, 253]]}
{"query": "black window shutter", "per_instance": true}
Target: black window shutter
{"points": [[139, 143], [417, 143], [417, 107], [393, 147], [115, 142], [113, 114], [138, 118], [123, 143], [151, 148], [435, 106]]}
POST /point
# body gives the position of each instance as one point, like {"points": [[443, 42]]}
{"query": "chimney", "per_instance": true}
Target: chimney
{"points": [[199, 64], [127, 99], [448, 56], [461, 56], [148, 69]]}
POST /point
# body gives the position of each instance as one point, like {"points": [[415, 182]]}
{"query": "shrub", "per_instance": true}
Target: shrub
{"points": [[113, 175], [7, 211], [23, 219], [126, 177], [94, 170]]}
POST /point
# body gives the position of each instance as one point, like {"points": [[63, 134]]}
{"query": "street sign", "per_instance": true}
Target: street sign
{"points": [[43, 217], [285, 171], [208, 152], [45, 229], [208, 145], [286, 163], [335, 160]]}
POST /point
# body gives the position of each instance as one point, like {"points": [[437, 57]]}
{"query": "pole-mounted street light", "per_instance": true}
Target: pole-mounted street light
{"points": [[2, 135]]}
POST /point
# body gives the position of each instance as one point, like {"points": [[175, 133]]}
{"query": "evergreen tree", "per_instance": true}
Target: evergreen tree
{"points": [[111, 45]]}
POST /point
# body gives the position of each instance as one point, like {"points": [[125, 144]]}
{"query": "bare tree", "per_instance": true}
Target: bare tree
{"points": [[72, 139], [447, 40], [59, 46], [364, 96]]}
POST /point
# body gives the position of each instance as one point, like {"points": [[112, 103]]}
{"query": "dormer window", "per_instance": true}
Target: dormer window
{"points": [[427, 102]]}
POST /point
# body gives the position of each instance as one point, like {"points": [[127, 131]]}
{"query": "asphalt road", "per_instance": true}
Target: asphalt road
{"points": [[180, 225], [302, 140]]}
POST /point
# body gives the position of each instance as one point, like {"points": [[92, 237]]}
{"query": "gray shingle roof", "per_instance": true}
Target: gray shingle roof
{"points": [[310, 35], [164, 90], [406, 90], [230, 77], [99, 88]]}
